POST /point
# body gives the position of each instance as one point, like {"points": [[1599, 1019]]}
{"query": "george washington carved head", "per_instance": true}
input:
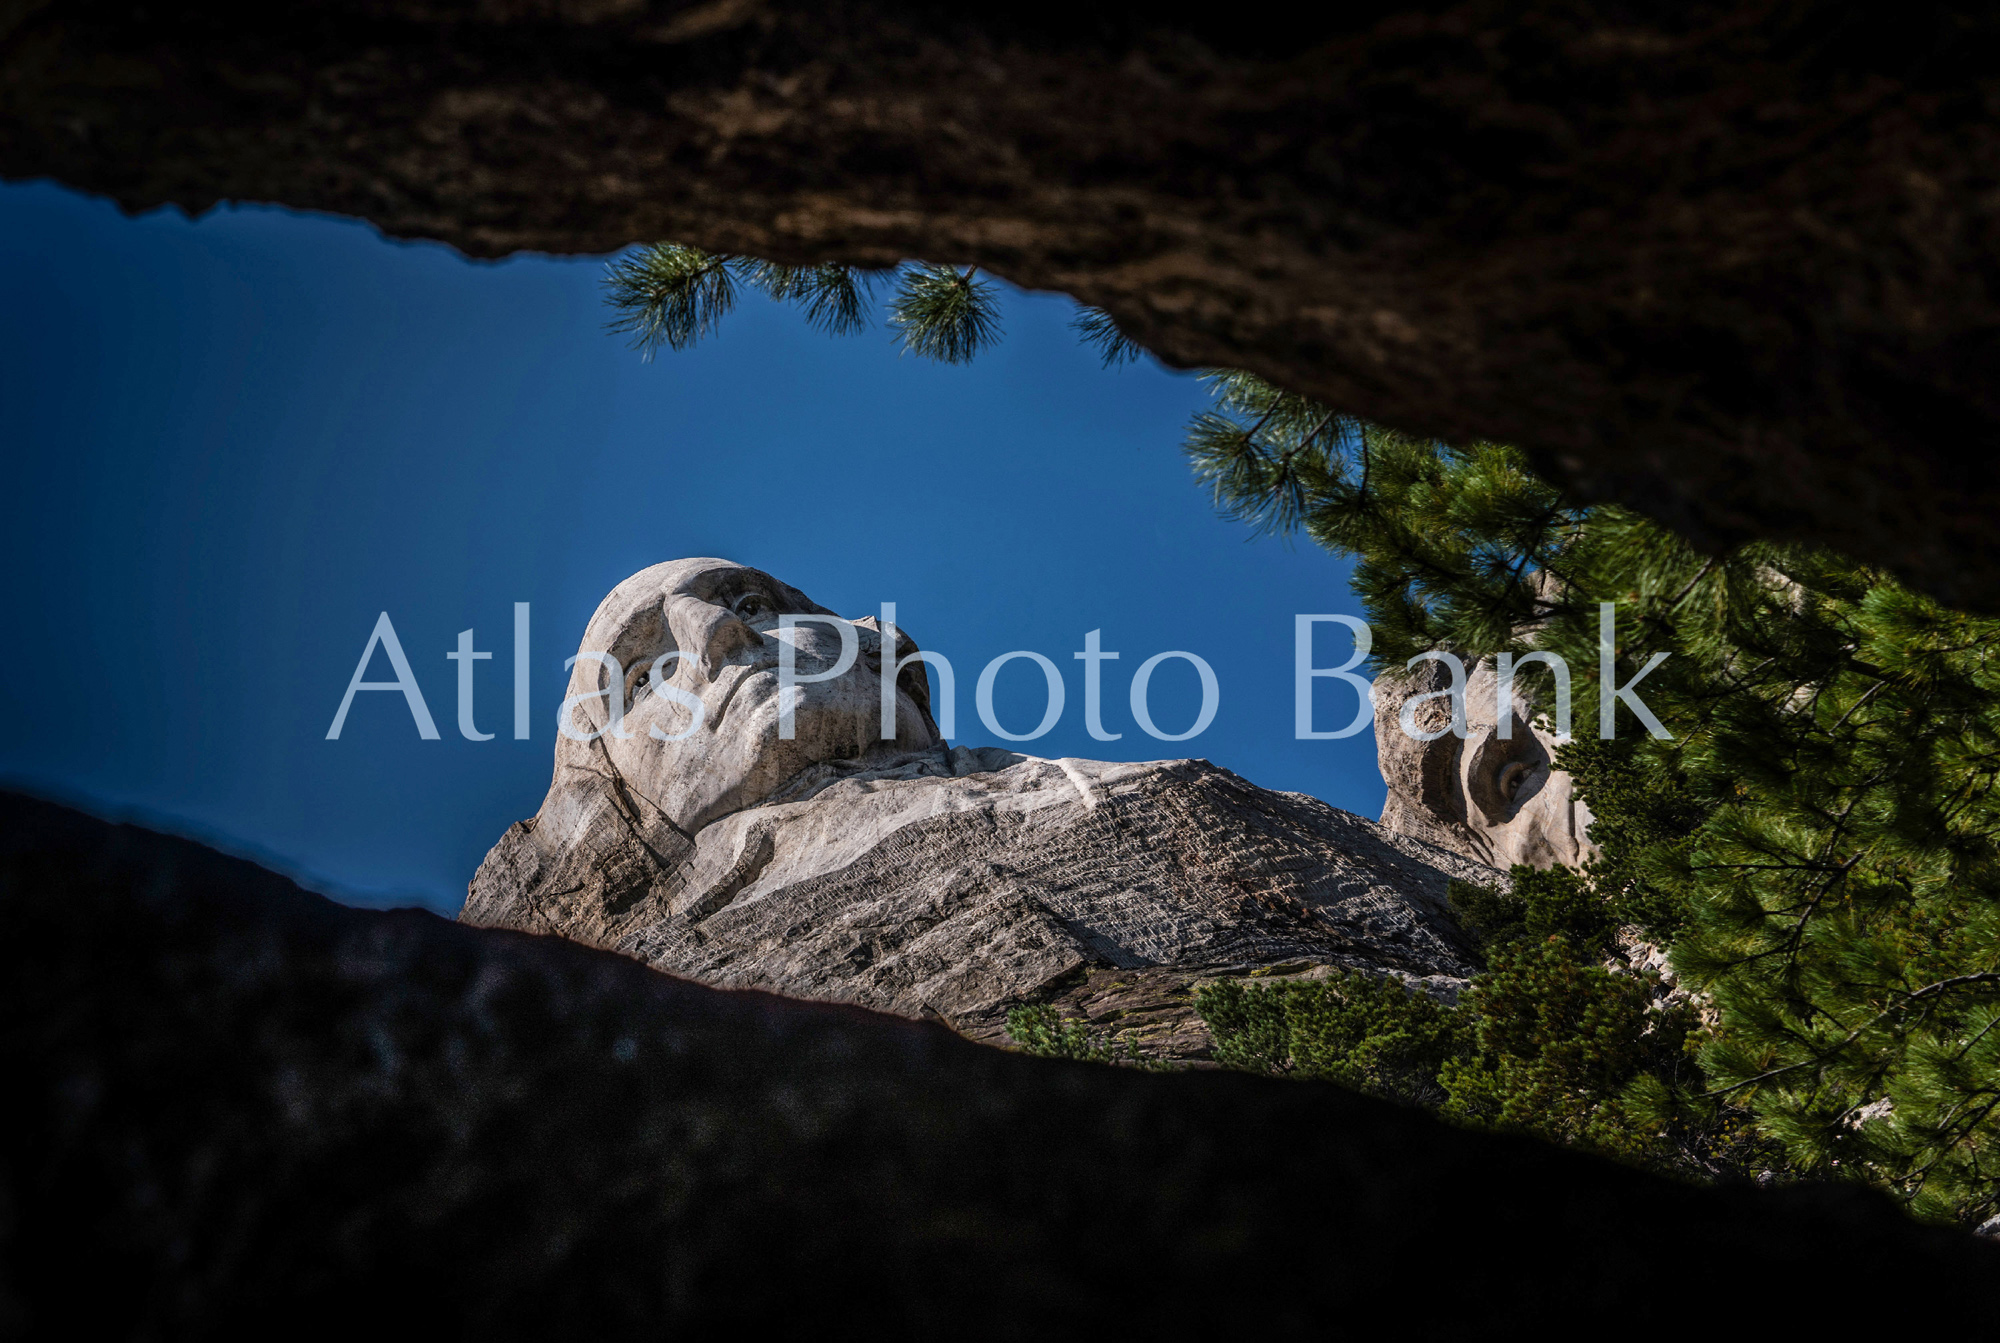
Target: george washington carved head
{"points": [[675, 690]]}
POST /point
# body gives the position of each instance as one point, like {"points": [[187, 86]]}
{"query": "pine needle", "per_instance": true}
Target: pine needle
{"points": [[669, 294], [944, 313], [1095, 328], [834, 298]]}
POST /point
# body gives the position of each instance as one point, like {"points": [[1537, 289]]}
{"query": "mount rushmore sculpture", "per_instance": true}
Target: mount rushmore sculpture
{"points": [[690, 826]]}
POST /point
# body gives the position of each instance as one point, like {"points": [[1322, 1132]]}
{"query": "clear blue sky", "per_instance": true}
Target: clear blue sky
{"points": [[230, 442]]}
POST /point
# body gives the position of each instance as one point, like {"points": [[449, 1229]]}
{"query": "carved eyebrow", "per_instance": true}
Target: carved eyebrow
{"points": [[770, 599], [728, 588]]}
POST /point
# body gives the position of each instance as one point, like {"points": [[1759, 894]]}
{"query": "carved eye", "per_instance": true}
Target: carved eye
{"points": [[636, 686], [1502, 775], [752, 605]]}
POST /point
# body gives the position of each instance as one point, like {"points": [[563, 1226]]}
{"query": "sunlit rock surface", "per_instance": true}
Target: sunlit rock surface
{"points": [[1498, 800], [928, 894], [921, 879]]}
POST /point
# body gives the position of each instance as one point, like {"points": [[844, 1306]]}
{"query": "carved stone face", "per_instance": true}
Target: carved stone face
{"points": [[1496, 799], [716, 624]]}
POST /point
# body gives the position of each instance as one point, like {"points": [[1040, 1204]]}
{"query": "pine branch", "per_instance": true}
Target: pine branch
{"points": [[1095, 328], [834, 298], [669, 294], [945, 314]]}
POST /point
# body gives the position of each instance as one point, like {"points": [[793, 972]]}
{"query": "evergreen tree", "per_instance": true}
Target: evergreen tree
{"points": [[1370, 1034], [1555, 1038], [674, 295], [1040, 1029], [1819, 839]]}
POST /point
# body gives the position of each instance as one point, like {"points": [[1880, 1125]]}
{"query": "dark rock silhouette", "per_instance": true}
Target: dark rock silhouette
{"points": [[232, 1102], [1735, 264]]}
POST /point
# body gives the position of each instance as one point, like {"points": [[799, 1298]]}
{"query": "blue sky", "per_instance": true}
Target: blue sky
{"points": [[232, 441]]}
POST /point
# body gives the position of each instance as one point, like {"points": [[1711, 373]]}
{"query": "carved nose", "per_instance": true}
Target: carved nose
{"points": [[712, 630], [726, 638]]}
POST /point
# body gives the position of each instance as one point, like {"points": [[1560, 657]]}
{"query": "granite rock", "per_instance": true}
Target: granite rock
{"points": [[913, 877], [1498, 800], [953, 885]]}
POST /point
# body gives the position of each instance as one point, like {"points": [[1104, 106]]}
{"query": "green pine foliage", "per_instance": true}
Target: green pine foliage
{"points": [[1097, 329], [1570, 1042], [673, 295], [1538, 905], [1557, 1041], [834, 299], [1643, 814], [946, 314], [1040, 1029], [1818, 839], [1550, 1040], [1371, 1034], [1844, 903]]}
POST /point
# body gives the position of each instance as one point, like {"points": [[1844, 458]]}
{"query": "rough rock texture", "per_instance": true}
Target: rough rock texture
{"points": [[232, 1103], [910, 888], [686, 826], [1497, 800], [1632, 954], [1733, 263], [675, 712]]}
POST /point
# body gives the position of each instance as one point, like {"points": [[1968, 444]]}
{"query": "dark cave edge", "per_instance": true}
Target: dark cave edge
{"points": [[1738, 268], [231, 1096]]}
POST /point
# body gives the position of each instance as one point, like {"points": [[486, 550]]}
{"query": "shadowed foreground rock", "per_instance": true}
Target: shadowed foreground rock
{"points": [[228, 1097], [1737, 264]]}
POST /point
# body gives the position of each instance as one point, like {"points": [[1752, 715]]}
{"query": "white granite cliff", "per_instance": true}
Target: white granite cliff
{"points": [[916, 878]]}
